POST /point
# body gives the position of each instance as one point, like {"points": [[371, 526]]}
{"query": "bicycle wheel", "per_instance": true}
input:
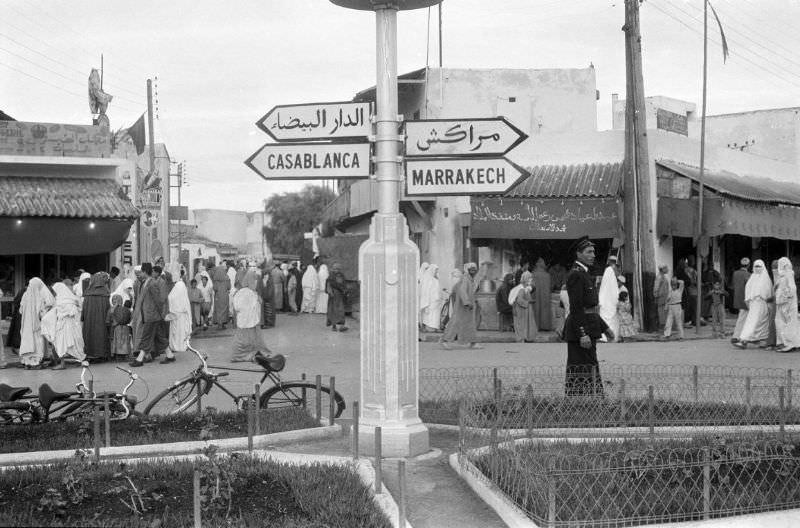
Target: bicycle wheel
{"points": [[178, 398], [302, 394]]}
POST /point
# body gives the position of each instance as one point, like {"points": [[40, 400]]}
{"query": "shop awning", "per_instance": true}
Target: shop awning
{"points": [[554, 202], [744, 205], [23, 196], [66, 216], [741, 186]]}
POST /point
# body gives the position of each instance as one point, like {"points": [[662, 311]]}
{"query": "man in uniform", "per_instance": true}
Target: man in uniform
{"points": [[584, 325]]}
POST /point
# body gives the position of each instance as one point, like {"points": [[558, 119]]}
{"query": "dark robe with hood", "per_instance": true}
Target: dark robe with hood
{"points": [[96, 344]]}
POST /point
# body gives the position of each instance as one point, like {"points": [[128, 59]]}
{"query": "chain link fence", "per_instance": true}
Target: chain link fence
{"points": [[625, 446], [615, 396]]}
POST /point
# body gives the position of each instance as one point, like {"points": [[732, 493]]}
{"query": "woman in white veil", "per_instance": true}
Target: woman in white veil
{"points": [[787, 326], [756, 292], [609, 298]]}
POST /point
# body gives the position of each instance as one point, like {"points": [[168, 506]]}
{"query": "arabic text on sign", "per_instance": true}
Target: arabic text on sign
{"points": [[313, 160], [455, 134], [537, 215], [320, 120]]}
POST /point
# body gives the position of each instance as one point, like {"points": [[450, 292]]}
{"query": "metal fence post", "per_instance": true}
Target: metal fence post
{"points": [[401, 506], [198, 515], [257, 394], [378, 461], [529, 403], [651, 410], [782, 407], [355, 430], [332, 401], [748, 409], [199, 399], [788, 389], [594, 380], [96, 415], [622, 402], [494, 379], [462, 426], [250, 411], [551, 493], [107, 418], [303, 390], [695, 384], [706, 484], [319, 398]]}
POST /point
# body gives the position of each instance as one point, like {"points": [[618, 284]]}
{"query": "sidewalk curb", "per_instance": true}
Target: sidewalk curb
{"points": [[176, 448]]}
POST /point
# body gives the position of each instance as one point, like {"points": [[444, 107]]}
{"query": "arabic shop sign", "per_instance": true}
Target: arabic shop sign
{"points": [[437, 177], [462, 137], [308, 161], [19, 138], [317, 121], [549, 218]]}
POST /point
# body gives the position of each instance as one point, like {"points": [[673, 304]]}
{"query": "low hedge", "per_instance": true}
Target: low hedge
{"points": [[155, 429]]}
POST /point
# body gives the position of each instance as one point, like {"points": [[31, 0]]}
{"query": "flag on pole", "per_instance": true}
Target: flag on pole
{"points": [[721, 33], [137, 134]]}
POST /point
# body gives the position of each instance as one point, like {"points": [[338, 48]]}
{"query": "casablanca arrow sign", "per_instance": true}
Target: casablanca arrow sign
{"points": [[462, 137], [308, 161], [460, 176], [317, 121]]}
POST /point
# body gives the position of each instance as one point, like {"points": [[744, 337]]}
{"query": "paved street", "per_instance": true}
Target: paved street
{"points": [[311, 348]]}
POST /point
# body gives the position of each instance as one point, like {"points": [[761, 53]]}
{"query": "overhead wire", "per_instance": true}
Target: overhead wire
{"points": [[733, 29], [777, 75], [116, 87], [791, 34]]}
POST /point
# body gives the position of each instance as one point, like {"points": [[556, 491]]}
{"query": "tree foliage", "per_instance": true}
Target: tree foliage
{"points": [[293, 214]]}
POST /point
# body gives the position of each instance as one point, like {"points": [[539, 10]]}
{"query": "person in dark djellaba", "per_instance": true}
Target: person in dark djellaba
{"points": [[583, 326]]}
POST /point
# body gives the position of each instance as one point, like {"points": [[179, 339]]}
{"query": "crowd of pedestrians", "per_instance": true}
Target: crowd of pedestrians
{"points": [[146, 312]]}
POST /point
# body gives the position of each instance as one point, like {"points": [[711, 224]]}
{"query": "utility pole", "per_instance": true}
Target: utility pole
{"points": [[638, 202], [700, 243]]}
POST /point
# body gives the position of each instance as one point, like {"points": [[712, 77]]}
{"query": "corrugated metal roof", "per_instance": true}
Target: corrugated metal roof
{"points": [[745, 187], [64, 197], [564, 181]]}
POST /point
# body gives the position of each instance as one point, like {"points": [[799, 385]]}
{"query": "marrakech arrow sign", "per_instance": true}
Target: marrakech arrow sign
{"points": [[317, 121], [462, 137], [308, 161], [425, 177]]}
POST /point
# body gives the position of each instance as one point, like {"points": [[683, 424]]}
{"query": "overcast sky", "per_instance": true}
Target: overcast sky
{"points": [[220, 66]]}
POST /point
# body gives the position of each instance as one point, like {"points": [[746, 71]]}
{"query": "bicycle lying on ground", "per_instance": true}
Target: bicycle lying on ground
{"points": [[17, 405], [182, 395]]}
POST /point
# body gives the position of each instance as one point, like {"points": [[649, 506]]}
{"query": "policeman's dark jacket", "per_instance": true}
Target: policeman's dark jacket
{"points": [[582, 299]]}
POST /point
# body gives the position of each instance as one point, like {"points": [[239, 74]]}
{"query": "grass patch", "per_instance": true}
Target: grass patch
{"points": [[155, 429], [576, 412], [236, 491], [639, 482]]}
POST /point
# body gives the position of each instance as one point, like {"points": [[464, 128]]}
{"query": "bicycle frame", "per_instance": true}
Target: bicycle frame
{"points": [[85, 399]]}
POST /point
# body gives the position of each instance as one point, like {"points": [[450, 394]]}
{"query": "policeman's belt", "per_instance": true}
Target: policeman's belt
{"points": [[592, 310]]}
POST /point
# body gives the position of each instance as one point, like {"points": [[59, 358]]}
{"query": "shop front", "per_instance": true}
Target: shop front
{"points": [[544, 215], [743, 216]]}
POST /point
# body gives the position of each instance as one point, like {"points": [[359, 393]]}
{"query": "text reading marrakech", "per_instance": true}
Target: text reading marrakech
{"points": [[480, 176], [314, 160]]}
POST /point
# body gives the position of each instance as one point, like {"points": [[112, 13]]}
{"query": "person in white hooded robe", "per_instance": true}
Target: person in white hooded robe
{"points": [[310, 283], [431, 299], [322, 297], [609, 297], [756, 293], [35, 304], [67, 337], [787, 325], [179, 316]]}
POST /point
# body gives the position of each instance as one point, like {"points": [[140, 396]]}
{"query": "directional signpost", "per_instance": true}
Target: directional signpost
{"points": [[307, 122], [292, 159], [310, 161], [461, 156]]}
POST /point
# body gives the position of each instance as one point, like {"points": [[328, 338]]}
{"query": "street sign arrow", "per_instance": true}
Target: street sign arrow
{"points": [[316, 121], [462, 137], [309, 161], [460, 176]]}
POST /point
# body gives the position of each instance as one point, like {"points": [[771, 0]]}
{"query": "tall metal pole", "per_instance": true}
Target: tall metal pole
{"points": [[702, 170], [388, 263]]}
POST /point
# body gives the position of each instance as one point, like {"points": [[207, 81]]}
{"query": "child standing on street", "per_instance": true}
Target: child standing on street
{"points": [[195, 301], [119, 318], [717, 296], [674, 309], [626, 326]]}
